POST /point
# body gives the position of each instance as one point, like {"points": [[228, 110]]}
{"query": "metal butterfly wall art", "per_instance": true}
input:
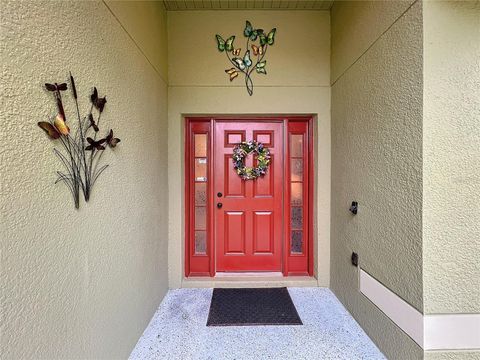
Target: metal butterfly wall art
{"points": [[257, 43], [79, 153]]}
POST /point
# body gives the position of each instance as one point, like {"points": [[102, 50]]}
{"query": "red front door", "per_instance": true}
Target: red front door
{"points": [[248, 213], [262, 225]]}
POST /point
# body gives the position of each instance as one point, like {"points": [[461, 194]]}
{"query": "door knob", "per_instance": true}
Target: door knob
{"points": [[219, 194], [219, 205]]}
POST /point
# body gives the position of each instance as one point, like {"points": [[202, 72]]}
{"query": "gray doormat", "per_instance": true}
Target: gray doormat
{"points": [[262, 306]]}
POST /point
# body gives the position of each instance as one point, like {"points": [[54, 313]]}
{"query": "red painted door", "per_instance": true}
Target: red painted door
{"points": [[248, 225]]}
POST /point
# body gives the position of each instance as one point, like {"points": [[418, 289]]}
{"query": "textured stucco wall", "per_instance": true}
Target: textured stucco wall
{"points": [[451, 197], [79, 283], [146, 23], [452, 355], [355, 16], [297, 83], [377, 161], [451, 168]]}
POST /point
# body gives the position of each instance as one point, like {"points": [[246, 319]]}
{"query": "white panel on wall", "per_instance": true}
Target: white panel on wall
{"points": [[452, 331], [403, 314], [431, 332]]}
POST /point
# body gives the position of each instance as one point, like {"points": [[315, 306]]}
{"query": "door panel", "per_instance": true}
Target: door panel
{"points": [[233, 185], [234, 235], [263, 232], [248, 226]]}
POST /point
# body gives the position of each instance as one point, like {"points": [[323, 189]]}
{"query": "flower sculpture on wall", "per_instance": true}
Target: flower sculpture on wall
{"points": [[258, 42], [81, 151], [242, 150]]}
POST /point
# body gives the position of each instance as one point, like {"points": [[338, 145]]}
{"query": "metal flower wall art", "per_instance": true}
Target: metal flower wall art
{"points": [[246, 63], [81, 150]]}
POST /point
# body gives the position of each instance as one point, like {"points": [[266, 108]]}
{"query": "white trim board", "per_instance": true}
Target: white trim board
{"points": [[407, 318], [452, 331], [431, 332]]}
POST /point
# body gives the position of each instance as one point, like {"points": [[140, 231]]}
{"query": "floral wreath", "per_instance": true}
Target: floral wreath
{"points": [[242, 150]]}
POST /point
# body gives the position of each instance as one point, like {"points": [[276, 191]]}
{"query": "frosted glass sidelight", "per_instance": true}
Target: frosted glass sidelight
{"points": [[200, 242], [296, 145], [200, 143], [296, 194], [297, 218], [297, 242]]}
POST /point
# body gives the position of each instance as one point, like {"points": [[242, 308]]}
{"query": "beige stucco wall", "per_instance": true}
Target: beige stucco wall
{"points": [[452, 355], [146, 23], [355, 15], [377, 160], [451, 196], [451, 166], [297, 83], [80, 283]]}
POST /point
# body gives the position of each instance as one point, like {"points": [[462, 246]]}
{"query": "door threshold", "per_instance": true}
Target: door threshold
{"points": [[240, 280], [257, 274]]}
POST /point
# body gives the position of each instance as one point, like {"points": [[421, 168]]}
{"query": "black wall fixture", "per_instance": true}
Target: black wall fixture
{"points": [[354, 259], [354, 208]]}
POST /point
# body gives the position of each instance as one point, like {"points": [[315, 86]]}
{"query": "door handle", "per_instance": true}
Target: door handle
{"points": [[219, 205]]}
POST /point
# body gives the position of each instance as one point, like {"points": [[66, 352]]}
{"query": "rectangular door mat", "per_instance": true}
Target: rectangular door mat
{"points": [[263, 306]]}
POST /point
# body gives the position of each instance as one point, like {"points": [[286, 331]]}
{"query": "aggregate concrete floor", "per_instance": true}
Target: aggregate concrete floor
{"points": [[177, 331]]}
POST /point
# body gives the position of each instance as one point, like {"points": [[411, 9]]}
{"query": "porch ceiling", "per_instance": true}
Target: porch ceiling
{"points": [[179, 5]]}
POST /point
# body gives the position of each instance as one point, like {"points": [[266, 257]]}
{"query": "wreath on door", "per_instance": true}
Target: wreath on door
{"points": [[242, 150]]}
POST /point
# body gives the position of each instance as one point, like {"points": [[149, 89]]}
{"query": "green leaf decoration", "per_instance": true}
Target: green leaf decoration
{"points": [[229, 44], [220, 43], [248, 29], [246, 59], [239, 63], [260, 68], [271, 36]]}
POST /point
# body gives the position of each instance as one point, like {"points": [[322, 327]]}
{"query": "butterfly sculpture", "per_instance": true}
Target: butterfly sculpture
{"points": [[112, 141], [251, 60], [79, 151], [55, 130]]}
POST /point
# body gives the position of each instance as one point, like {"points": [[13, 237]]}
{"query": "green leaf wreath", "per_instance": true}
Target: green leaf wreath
{"points": [[249, 62], [242, 150]]}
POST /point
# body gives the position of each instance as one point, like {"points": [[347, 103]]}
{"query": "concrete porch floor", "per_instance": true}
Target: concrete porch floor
{"points": [[178, 331]]}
